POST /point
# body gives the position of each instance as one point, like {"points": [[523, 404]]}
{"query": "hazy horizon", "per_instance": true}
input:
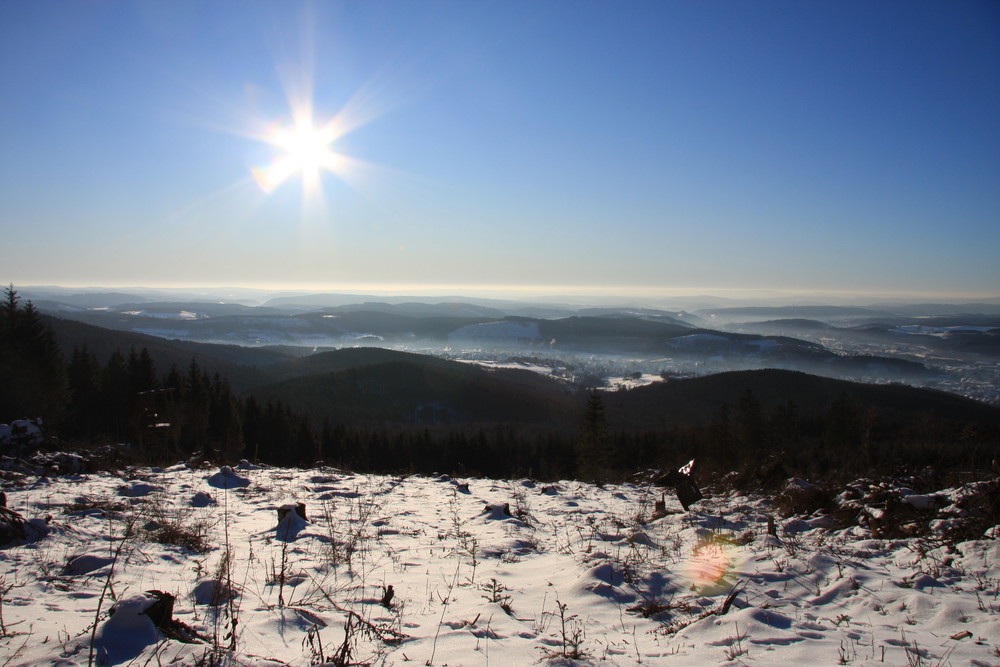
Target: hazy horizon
{"points": [[655, 149], [591, 296]]}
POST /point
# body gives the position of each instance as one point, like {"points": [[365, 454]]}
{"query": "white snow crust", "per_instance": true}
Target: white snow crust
{"points": [[484, 572]]}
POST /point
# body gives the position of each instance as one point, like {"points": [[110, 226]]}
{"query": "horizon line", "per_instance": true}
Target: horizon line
{"points": [[533, 291]]}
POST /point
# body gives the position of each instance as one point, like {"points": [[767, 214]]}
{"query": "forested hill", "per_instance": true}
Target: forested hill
{"points": [[240, 365], [358, 385], [698, 400], [374, 385], [333, 361], [379, 409], [370, 386]]}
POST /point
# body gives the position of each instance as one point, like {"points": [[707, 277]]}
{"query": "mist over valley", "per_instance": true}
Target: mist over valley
{"points": [[952, 347]]}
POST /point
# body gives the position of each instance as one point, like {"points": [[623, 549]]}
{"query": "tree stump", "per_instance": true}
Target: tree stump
{"points": [[161, 611], [298, 508], [12, 526], [683, 483], [386, 600], [660, 508]]}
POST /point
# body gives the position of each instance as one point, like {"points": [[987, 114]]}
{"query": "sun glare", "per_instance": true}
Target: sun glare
{"points": [[304, 150], [304, 145]]}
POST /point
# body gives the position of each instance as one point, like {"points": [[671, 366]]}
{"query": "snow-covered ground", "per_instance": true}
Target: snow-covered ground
{"points": [[513, 365], [482, 572]]}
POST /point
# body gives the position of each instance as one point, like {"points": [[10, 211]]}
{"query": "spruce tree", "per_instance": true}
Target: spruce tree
{"points": [[225, 423], [117, 399], [83, 418], [141, 371], [32, 371], [252, 428], [594, 460], [842, 423], [750, 425]]}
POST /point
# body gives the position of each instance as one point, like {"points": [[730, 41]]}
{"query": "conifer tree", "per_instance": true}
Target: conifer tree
{"points": [[784, 425], [83, 418], [32, 371], [750, 425], [195, 406], [252, 428], [117, 400], [720, 431], [224, 422], [141, 371], [331, 441], [843, 422], [594, 459]]}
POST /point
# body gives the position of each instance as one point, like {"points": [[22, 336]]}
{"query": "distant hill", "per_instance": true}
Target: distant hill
{"points": [[670, 317], [787, 325], [334, 361], [416, 309], [601, 335], [645, 333], [986, 343], [371, 387], [387, 323], [610, 332], [986, 307], [237, 363], [697, 400], [823, 313]]}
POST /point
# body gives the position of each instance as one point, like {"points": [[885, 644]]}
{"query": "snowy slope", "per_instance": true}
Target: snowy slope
{"points": [[483, 572]]}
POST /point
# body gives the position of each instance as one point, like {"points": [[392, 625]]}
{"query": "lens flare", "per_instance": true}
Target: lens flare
{"points": [[714, 563]]}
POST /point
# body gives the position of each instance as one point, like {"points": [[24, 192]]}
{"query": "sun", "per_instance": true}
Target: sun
{"points": [[304, 149]]}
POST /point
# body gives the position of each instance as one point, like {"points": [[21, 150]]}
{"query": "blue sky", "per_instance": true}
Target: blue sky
{"points": [[612, 147]]}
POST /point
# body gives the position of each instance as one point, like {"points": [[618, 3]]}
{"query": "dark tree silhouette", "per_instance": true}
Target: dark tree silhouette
{"points": [[32, 372], [594, 459]]}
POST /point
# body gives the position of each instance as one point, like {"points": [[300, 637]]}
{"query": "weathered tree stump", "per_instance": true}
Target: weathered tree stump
{"points": [[682, 481], [386, 600], [12, 526], [660, 508], [161, 611], [298, 508]]}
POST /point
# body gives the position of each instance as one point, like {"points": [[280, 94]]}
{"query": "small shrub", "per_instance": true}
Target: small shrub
{"points": [[497, 593], [571, 635], [801, 499], [189, 535]]}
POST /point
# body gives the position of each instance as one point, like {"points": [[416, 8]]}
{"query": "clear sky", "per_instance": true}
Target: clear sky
{"points": [[697, 145]]}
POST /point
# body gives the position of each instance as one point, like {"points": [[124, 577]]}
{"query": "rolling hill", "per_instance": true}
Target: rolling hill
{"points": [[238, 364], [374, 386], [370, 386], [695, 401]]}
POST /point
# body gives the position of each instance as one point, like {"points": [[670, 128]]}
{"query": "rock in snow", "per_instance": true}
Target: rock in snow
{"points": [[128, 631], [227, 478]]}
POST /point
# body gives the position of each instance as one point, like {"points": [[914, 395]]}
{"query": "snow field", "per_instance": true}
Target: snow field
{"points": [[483, 572]]}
